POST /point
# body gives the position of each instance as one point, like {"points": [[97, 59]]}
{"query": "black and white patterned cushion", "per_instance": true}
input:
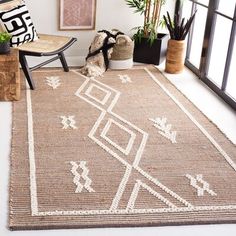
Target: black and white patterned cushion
{"points": [[18, 23]]}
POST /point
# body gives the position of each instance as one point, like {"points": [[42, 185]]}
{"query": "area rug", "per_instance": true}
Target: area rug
{"points": [[125, 149]]}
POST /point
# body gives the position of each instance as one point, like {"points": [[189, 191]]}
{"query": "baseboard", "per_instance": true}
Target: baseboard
{"points": [[71, 60]]}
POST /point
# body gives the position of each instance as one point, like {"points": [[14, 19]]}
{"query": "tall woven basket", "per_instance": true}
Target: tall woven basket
{"points": [[175, 57]]}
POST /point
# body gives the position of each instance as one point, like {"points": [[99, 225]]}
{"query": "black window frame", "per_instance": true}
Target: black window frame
{"points": [[210, 25]]}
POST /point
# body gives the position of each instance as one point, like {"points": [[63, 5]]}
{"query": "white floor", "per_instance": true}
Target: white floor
{"points": [[223, 116]]}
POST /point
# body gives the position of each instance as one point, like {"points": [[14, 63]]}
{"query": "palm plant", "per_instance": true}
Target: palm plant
{"points": [[151, 10]]}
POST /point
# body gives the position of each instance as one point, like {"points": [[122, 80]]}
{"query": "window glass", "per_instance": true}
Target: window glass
{"points": [[198, 35], [227, 7], [219, 49], [187, 7], [231, 85], [205, 2], [219, 44]]}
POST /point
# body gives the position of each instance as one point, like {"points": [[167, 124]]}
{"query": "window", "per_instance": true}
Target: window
{"points": [[194, 54], [231, 85], [219, 50], [227, 7], [214, 60]]}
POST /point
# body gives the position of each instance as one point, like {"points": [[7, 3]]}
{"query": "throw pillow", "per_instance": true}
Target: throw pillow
{"points": [[18, 23]]}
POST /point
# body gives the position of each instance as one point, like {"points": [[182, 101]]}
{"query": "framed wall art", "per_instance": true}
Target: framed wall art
{"points": [[77, 14]]}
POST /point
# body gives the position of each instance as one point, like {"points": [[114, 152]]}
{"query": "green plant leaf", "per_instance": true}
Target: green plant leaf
{"points": [[5, 37]]}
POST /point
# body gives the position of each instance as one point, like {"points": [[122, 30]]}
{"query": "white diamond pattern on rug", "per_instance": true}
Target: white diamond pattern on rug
{"points": [[201, 185], [78, 178], [105, 92], [106, 106], [108, 125]]}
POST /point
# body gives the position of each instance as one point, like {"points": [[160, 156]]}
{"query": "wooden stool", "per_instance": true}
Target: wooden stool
{"points": [[10, 76]]}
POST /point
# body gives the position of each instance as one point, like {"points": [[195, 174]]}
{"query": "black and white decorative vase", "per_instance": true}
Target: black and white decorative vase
{"points": [[4, 48]]}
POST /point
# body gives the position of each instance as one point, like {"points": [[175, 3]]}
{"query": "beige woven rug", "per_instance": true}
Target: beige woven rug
{"points": [[126, 149]]}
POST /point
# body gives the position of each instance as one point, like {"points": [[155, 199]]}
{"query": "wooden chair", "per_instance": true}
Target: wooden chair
{"points": [[46, 45]]}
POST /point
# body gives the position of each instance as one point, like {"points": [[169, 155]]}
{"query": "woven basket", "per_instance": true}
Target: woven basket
{"points": [[122, 55]]}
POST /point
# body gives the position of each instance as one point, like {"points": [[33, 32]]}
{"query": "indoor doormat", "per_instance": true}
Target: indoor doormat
{"points": [[124, 149]]}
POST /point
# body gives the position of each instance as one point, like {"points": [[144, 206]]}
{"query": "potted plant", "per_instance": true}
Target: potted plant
{"points": [[176, 49], [150, 46], [4, 42]]}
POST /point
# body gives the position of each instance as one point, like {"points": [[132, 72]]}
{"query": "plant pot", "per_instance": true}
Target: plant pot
{"points": [[4, 48], [175, 56], [151, 54]]}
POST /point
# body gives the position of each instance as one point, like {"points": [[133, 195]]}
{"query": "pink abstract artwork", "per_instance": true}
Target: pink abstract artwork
{"points": [[77, 14]]}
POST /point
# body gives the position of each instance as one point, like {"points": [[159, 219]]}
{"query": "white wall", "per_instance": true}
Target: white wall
{"points": [[109, 14]]}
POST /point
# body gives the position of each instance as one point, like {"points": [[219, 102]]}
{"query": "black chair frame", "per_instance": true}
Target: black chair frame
{"points": [[59, 56]]}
